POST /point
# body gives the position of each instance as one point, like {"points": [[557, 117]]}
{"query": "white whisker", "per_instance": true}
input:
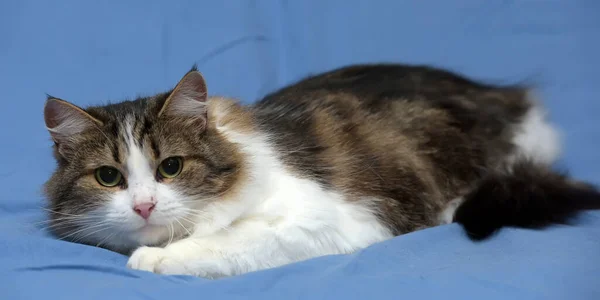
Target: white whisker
{"points": [[184, 228]]}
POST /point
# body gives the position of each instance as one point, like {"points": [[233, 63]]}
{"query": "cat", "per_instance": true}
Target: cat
{"points": [[191, 184]]}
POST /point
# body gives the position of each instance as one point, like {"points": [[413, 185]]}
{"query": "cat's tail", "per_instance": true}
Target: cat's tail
{"points": [[528, 195]]}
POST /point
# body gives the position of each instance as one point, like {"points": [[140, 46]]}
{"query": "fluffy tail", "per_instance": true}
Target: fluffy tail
{"points": [[529, 195]]}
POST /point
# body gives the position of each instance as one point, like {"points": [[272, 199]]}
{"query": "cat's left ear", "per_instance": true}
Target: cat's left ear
{"points": [[188, 99]]}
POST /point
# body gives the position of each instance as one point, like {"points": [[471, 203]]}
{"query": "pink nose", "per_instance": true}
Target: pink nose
{"points": [[144, 209]]}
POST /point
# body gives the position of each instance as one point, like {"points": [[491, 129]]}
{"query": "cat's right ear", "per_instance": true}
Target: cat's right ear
{"points": [[188, 99], [64, 120]]}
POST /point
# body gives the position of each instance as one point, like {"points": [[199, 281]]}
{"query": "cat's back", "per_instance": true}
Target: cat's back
{"points": [[473, 106], [421, 105]]}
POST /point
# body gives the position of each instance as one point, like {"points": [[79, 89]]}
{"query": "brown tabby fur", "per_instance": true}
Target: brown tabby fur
{"points": [[412, 137]]}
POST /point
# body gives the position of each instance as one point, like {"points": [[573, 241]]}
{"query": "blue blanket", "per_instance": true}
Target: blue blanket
{"points": [[90, 53]]}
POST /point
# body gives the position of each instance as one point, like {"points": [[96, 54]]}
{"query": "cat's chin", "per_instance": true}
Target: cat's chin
{"points": [[149, 235]]}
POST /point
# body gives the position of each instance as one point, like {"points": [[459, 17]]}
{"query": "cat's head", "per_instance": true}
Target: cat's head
{"points": [[137, 172]]}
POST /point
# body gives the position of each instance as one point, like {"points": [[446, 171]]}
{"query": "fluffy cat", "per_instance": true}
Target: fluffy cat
{"points": [[199, 185]]}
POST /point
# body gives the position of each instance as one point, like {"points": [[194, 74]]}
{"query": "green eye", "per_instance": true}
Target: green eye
{"points": [[108, 176], [170, 167]]}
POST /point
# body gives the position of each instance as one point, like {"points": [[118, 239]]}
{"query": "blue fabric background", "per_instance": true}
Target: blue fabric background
{"points": [[93, 52]]}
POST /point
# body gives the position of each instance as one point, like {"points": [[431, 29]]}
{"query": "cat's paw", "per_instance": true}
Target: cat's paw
{"points": [[165, 261], [171, 266], [146, 258], [156, 260]]}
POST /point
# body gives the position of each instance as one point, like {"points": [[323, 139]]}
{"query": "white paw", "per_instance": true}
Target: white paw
{"points": [[156, 260]]}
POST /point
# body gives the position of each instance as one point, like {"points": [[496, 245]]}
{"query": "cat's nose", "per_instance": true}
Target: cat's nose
{"points": [[144, 209]]}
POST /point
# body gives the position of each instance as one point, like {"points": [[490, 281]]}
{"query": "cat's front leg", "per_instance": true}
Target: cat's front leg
{"points": [[246, 247], [225, 253], [184, 257]]}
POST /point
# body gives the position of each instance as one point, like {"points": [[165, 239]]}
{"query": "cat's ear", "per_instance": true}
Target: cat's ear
{"points": [[188, 99], [64, 120]]}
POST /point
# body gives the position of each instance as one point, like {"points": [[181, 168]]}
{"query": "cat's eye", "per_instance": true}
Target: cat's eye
{"points": [[108, 176], [170, 167]]}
